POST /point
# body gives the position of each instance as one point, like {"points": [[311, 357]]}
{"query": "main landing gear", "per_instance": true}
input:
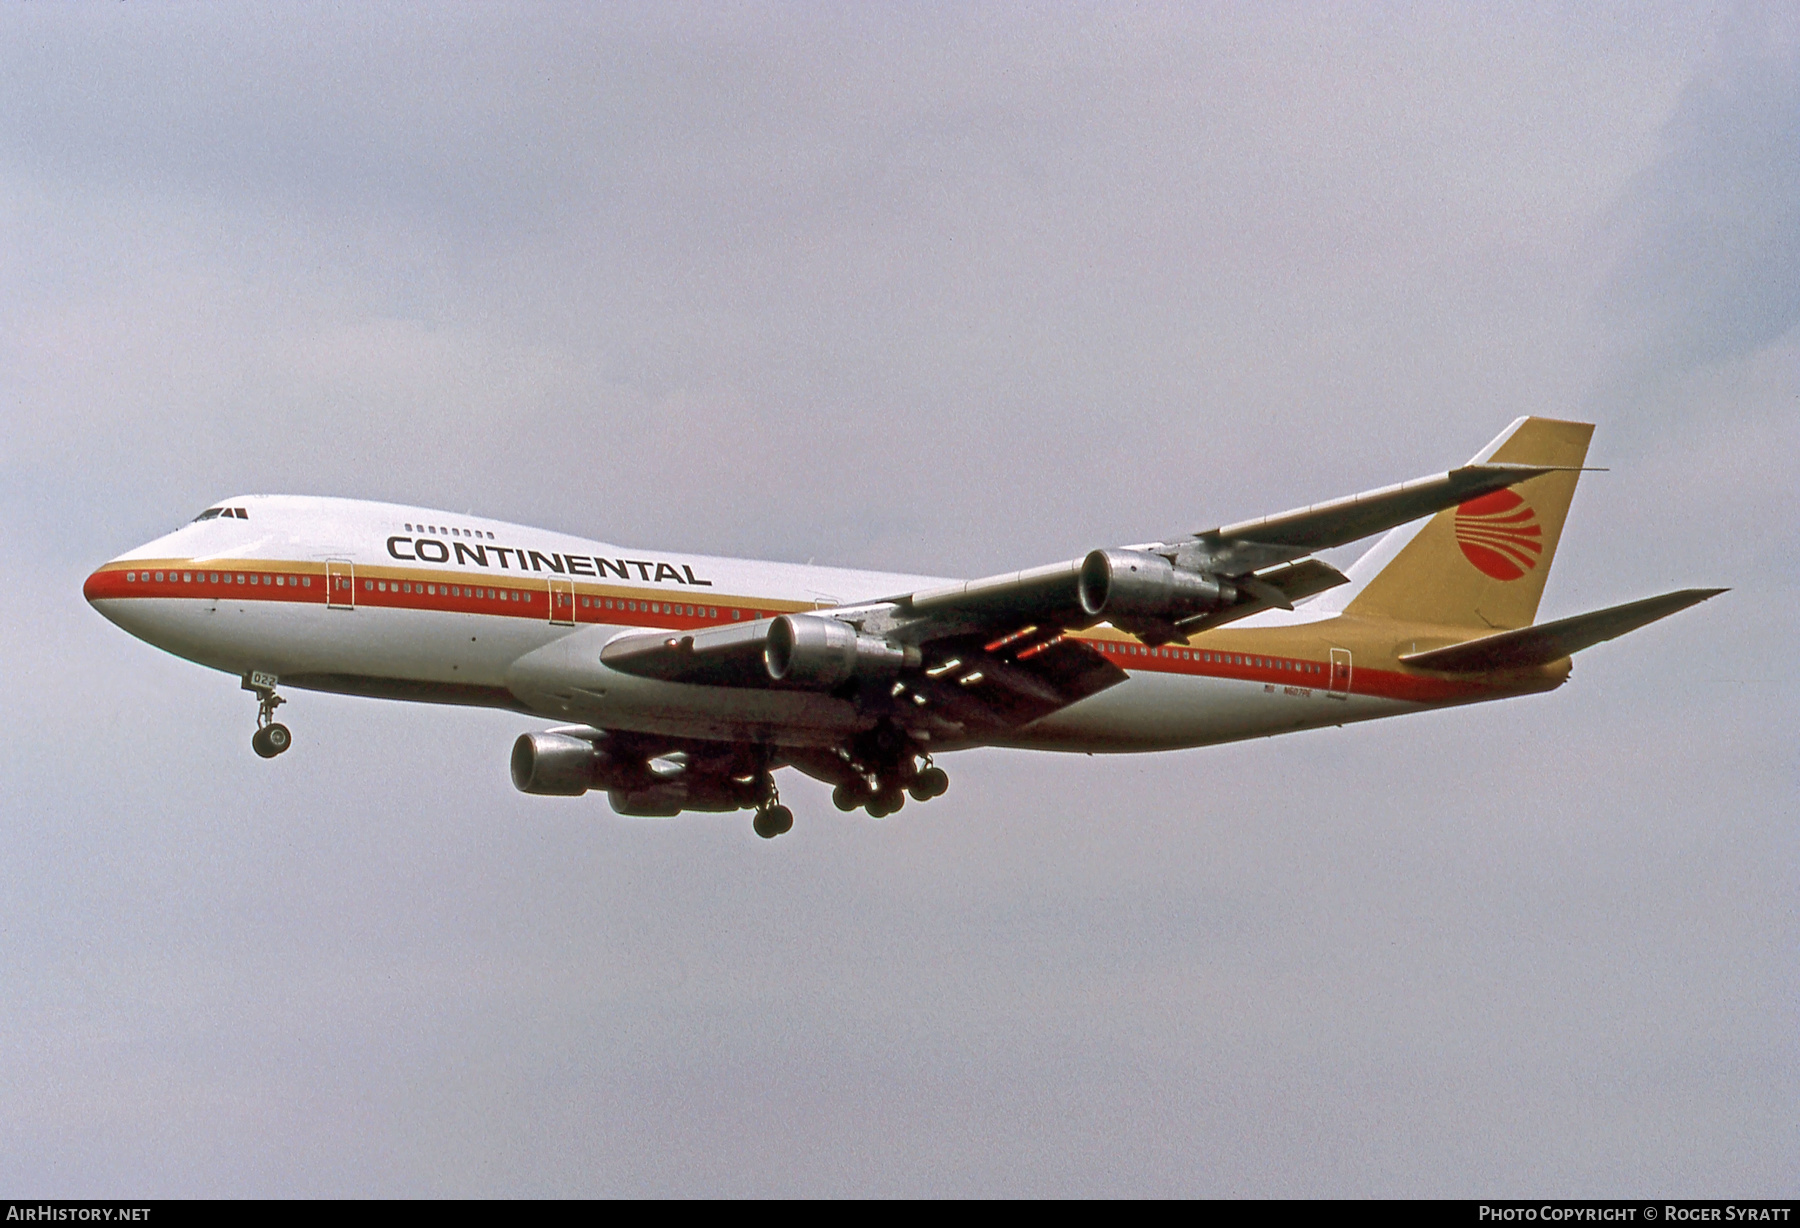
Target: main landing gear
{"points": [[772, 818], [271, 737], [884, 790]]}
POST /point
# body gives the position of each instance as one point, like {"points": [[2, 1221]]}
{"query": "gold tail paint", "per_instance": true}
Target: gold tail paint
{"points": [[1483, 565]]}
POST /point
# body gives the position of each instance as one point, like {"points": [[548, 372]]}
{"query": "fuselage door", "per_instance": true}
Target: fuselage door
{"points": [[340, 585], [562, 602], [1340, 674]]}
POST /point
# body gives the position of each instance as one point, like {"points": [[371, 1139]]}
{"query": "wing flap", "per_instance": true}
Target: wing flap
{"points": [[1278, 588], [1030, 677], [1552, 641]]}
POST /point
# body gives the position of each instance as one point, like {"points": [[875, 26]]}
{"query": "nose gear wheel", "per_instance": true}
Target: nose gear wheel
{"points": [[271, 737]]}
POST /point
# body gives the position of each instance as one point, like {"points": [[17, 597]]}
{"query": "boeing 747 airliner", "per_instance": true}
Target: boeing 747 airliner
{"points": [[684, 682]]}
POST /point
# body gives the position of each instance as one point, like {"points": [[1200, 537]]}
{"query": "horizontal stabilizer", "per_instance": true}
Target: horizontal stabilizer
{"points": [[1547, 642]]}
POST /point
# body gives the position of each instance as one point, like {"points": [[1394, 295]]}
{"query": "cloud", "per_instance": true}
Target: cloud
{"points": [[1708, 267], [950, 291]]}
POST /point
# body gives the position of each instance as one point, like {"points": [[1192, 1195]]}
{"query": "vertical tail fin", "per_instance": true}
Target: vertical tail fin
{"points": [[1482, 564]]}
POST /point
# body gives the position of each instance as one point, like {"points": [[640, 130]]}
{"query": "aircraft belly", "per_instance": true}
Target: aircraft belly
{"points": [[1155, 712]]}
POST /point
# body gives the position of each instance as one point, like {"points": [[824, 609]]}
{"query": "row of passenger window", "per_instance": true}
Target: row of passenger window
{"points": [[431, 590], [1220, 658], [216, 577], [438, 528], [655, 607], [445, 590], [595, 603]]}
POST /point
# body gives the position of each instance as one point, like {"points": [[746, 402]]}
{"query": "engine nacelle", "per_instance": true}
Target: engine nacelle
{"points": [[1136, 583], [555, 764], [806, 650]]}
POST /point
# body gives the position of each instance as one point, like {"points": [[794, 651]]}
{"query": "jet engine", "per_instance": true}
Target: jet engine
{"points": [[568, 761], [1137, 584], [556, 764], [806, 650]]}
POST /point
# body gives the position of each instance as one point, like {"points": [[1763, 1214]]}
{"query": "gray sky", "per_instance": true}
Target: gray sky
{"points": [[938, 291]]}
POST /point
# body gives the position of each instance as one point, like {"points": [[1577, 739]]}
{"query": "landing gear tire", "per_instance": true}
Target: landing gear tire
{"points": [[271, 740], [847, 799], [932, 782], [887, 802], [775, 821], [271, 737]]}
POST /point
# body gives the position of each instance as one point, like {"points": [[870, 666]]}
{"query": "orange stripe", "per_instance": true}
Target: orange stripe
{"points": [[1300, 673], [654, 607]]}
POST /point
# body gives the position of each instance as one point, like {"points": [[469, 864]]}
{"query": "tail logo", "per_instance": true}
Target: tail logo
{"points": [[1500, 535]]}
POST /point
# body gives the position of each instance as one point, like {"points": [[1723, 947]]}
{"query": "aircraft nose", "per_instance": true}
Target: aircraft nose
{"points": [[107, 580]]}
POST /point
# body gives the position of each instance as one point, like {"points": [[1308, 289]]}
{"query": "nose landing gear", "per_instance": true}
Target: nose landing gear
{"points": [[271, 737]]}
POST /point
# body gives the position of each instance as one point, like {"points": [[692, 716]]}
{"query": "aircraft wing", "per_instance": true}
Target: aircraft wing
{"points": [[958, 681], [1264, 561], [1234, 549], [995, 652]]}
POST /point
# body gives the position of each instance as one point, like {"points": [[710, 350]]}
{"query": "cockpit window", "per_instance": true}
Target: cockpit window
{"points": [[212, 512]]}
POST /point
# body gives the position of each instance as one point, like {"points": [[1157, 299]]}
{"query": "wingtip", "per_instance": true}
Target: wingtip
{"points": [[1687, 598]]}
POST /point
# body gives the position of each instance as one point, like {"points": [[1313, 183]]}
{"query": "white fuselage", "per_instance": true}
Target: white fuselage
{"points": [[395, 602]]}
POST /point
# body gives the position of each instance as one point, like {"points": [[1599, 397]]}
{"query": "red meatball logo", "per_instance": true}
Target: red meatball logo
{"points": [[1499, 533]]}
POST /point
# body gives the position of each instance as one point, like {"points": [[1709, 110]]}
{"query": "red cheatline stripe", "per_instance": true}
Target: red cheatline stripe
{"points": [[110, 583], [1237, 665]]}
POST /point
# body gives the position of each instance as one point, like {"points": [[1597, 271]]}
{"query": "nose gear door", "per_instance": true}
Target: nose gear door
{"points": [[340, 585]]}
